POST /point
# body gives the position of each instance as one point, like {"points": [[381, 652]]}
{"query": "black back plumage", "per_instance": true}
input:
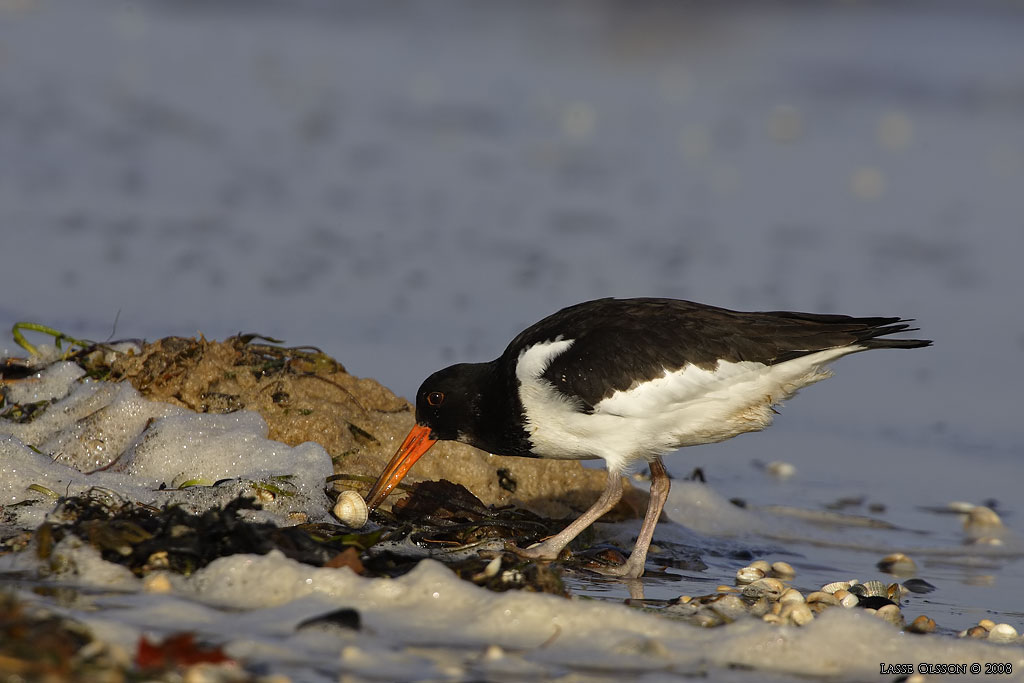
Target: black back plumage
{"points": [[619, 343]]}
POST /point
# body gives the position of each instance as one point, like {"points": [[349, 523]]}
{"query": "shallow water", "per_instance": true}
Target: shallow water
{"points": [[407, 186]]}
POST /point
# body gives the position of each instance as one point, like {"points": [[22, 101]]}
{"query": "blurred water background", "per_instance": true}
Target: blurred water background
{"points": [[409, 184]]}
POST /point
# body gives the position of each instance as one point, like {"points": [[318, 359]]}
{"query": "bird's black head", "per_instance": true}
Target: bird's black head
{"points": [[449, 402]]}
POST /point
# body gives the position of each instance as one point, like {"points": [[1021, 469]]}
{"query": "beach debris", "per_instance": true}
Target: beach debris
{"points": [[175, 651]]}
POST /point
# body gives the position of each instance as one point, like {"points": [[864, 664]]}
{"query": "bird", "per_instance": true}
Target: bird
{"points": [[629, 381]]}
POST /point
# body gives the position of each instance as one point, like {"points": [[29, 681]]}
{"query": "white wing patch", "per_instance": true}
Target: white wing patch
{"points": [[687, 407]]}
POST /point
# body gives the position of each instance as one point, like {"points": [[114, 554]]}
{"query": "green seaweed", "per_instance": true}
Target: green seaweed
{"points": [[58, 337]]}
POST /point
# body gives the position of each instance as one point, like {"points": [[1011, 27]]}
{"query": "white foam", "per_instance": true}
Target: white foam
{"points": [[97, 440], [101, 434], [431, 609], [51, 382]]}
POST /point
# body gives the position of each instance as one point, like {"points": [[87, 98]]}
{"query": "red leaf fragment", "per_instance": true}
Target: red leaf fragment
{"points": [[176, 650]]}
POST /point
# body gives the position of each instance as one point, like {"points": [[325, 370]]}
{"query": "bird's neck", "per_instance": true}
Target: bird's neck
{"points": [[495, 427]]}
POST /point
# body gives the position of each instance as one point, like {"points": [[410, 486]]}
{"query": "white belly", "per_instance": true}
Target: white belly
{"points": [[686, 407]]}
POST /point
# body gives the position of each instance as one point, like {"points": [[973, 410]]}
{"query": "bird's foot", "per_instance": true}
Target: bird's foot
{"points": [[546, 552], [627, 570]]}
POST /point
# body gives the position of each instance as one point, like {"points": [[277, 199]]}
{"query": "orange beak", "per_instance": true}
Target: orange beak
{"points": [[412, 449]]}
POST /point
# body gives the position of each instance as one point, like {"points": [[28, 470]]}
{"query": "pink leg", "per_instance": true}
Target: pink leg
{"points": [[549, 549], [634, 566]]}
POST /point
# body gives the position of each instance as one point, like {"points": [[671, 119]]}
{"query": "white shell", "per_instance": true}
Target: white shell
{"points": [[982, 516], [745, 575], [1002, 633], [780, 470], [350, 508], [898, 564], [783, 570], [836, 585]]}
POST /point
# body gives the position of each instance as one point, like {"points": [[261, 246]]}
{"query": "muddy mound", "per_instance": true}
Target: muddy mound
{"points": [[304, 395]]}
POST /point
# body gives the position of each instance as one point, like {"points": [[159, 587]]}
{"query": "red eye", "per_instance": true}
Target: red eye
{"points": [[435, 398]]}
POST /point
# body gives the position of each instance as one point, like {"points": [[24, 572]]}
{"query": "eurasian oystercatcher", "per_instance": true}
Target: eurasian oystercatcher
{"points": [[629, 380]]}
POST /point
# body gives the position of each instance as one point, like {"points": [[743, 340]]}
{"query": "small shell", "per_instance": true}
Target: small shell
{"points": [[1002, 633], [493, 567], [792, 595], [769, 588], [985, 540], [783, 570], [898, 564], [890, 613], [780, 470], [870, 589], [822, 597], [745, 575], [350, 508], [797, 613], [982, 516], [762, 565], [849, 600], [987, 624], [835, 586], [923, 624]]}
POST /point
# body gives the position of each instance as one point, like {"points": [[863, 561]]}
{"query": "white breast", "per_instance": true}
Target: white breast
{"points": [[686, 407]]}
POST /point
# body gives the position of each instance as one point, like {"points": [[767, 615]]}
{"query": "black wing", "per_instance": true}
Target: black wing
{"points": [[619, 343]]}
